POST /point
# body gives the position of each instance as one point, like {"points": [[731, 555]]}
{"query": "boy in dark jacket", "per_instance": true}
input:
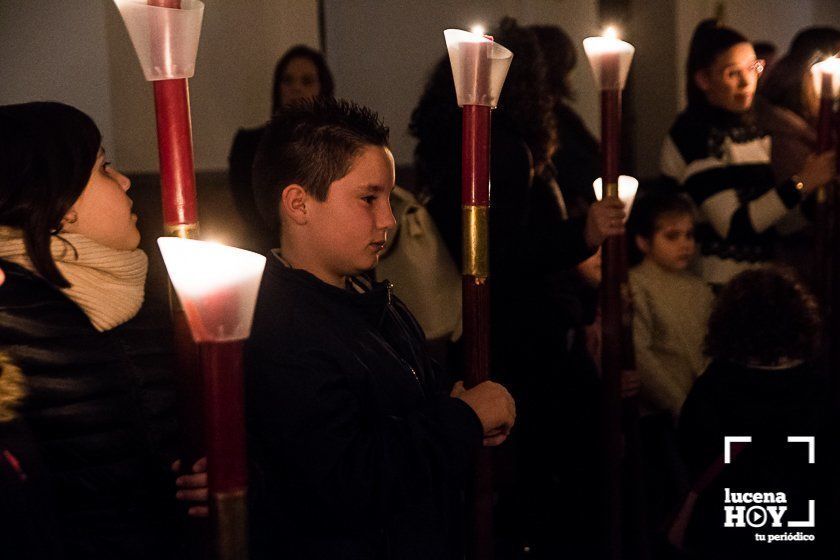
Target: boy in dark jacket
{"points": [[357, 444]]}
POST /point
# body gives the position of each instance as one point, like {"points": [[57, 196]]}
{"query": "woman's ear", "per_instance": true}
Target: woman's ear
{"points": [[293, 201], [642, 244], [701, 78]]}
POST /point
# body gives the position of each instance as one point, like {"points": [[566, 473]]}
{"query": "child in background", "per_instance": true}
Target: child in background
{"points": [[671, 304], [764, 381]]}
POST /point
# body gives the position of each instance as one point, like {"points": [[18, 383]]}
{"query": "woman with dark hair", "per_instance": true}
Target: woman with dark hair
{"points": [[763, 383], [721, 159], [577, 157], [532, 239], [92, 360], [301, 73]]}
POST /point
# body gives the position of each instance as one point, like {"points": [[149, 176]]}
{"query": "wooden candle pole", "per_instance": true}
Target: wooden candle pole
{"points": [[611, 320], [221, 366], [610, 60], [220, 374], [479, 67], [180, 219], [822, 241], [826, 263], [475, 200]]}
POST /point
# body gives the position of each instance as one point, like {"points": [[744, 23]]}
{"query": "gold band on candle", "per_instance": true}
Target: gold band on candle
{"points": [[611, 190], [232, 523], [184, 231], [476, 246]]}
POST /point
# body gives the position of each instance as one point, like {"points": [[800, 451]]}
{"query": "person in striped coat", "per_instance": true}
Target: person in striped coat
{"points": [[721, 159]]}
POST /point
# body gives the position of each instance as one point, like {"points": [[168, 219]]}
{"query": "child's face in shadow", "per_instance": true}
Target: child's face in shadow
{"points": [[672, 245]]}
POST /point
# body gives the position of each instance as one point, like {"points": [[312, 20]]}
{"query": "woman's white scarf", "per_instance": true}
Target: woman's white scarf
{"points": [[106, 283]]}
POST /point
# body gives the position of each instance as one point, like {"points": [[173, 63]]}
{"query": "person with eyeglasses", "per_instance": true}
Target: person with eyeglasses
{"points": [[720, 158]]}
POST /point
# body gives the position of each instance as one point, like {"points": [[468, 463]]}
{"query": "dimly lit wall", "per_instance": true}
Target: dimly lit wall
{"points": [[54, 50], [78, 52], [382, 52]]}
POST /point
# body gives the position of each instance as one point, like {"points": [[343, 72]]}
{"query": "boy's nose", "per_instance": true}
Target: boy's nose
{"points": [[387, 219]]}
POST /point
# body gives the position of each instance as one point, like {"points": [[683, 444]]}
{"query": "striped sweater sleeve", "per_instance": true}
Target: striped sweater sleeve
{"points": [[721, 184]]}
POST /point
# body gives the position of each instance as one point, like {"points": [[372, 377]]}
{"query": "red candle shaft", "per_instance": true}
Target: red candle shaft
{"points": [[175, 151], [475, 192], [826, 114], [613, 337], [175, 147], [224, 415], [476, 330], [475, 199], [610, 139], [475, 156]]}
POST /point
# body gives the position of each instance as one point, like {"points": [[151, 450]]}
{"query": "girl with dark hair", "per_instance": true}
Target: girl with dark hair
{"points": [[93, 360], [301, 73], [721, 159], [763, 383]]}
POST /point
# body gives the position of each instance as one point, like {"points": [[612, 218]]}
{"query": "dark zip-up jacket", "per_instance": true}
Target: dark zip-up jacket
{"points": [[357, 450]]}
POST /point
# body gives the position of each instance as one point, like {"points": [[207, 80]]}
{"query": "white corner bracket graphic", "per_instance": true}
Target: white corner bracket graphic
{"points": [[812, 446], [811, 515], [727, 444]]}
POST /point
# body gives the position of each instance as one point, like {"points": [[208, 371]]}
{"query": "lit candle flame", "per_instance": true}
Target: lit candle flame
{"points": [[610, 32], [828, 67], [478, 30]]}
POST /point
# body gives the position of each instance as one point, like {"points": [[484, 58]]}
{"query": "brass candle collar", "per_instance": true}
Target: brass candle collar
{"points": [[476, 241]]}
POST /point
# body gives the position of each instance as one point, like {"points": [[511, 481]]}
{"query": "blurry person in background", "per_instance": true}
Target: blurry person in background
{"points": [[671, 305], [717, 154], [301, 73], [533, 238], [787, 108], [787, 104], [763, 382], [766, 51], [576, 159]]}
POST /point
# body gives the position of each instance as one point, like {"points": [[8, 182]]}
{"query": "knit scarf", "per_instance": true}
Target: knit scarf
{"points": [[107, 284]]}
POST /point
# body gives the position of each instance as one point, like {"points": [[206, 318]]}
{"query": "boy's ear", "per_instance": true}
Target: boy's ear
{"points": [[293, 201], [642, 244], [701, 78]]}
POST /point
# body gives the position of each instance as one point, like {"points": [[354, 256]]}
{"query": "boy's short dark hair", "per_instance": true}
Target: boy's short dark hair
{"points": [[311, 143], [650, 208], [761, 316]]}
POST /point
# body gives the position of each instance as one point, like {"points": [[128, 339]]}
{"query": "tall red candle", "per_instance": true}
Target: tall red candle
{"points": [[479, 76], [826, 112], [610, 60], [175, 146]]}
